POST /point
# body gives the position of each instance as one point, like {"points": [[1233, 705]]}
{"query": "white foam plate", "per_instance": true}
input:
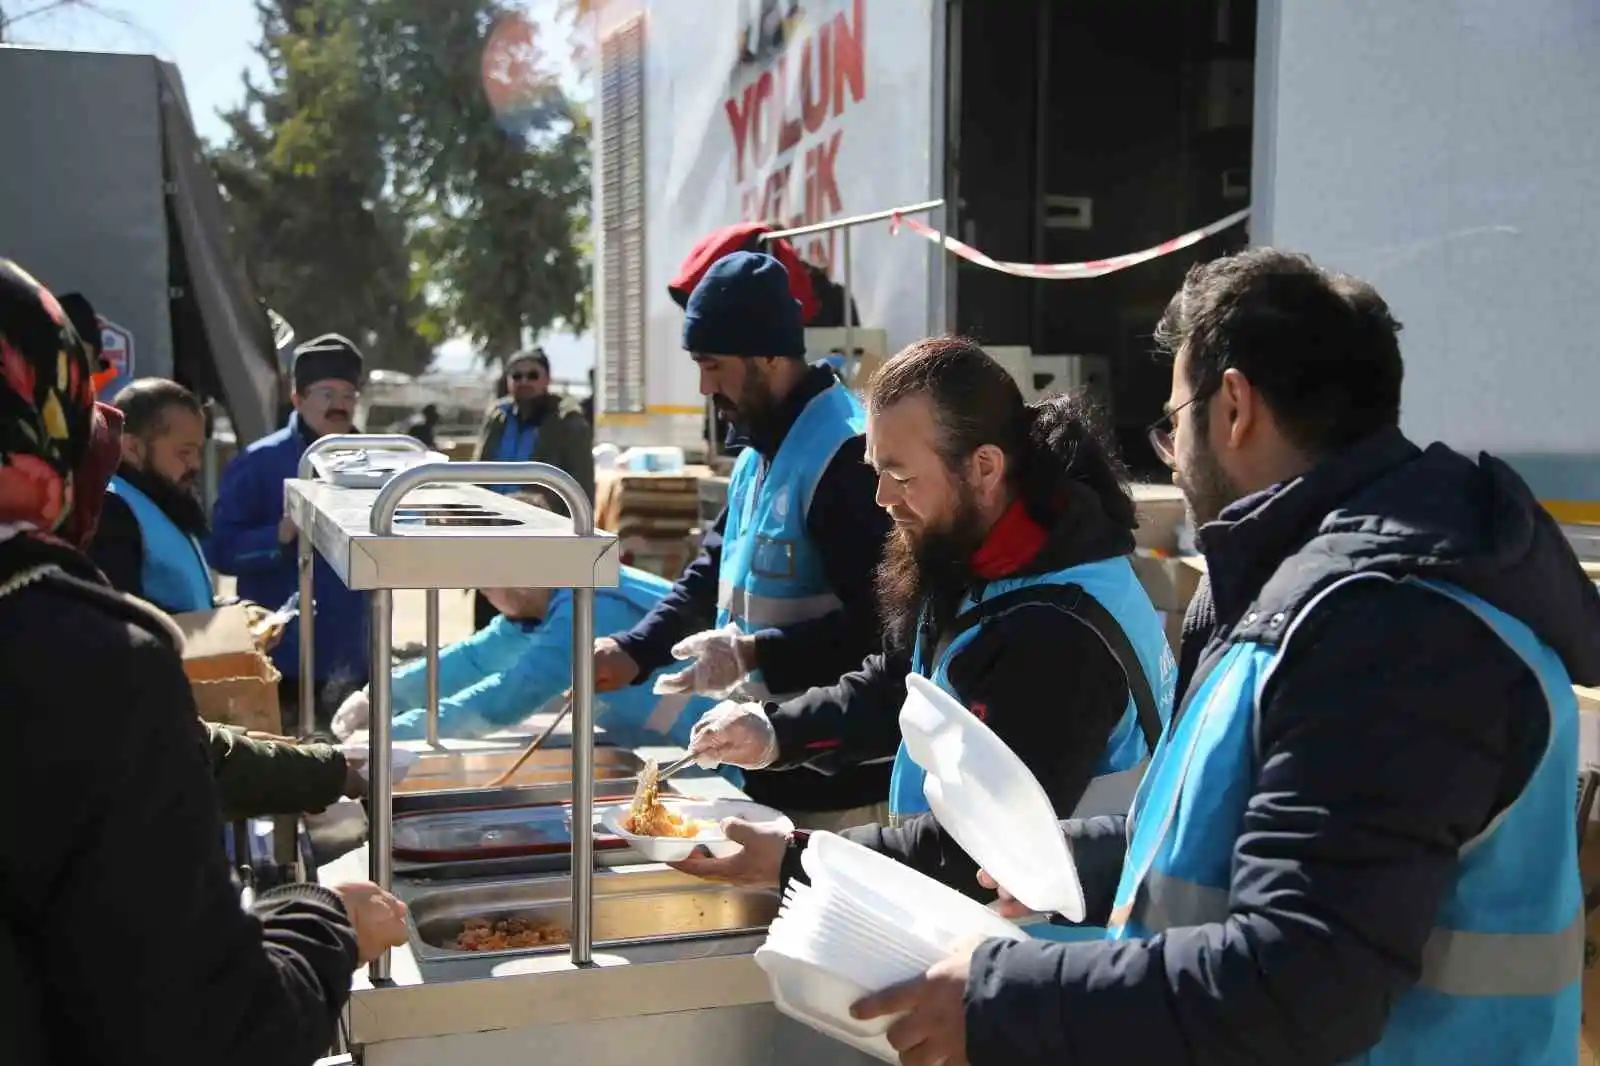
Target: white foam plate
{"points": [[830, 937], [709, 813], [837, 915], [898, 893], [820, 999], [987, 800]]}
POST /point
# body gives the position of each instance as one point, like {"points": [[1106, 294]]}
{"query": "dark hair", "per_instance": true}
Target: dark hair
{"points": [[1054, 448], [144, 405], [1321, 347]]}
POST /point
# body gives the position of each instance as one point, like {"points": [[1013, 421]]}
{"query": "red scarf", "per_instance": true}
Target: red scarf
{"points": [[1012, 544]]}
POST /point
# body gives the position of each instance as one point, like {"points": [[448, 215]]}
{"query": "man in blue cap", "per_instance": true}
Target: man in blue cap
{"points": [[781, 597]]}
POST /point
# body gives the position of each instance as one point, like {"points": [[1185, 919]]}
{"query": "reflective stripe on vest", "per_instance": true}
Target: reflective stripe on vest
{"points": [[1454, 962], [771, 574], [763, 612], [173, 570], [1500, 972], [1116, 588]]}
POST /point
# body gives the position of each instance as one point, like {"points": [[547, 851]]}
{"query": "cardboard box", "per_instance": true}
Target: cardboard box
{"points": [[1161, 513], [232, 682], [663, 556], [1170, 582]]}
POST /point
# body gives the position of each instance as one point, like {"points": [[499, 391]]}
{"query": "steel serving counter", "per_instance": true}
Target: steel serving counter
{"points": [[656, 967]]}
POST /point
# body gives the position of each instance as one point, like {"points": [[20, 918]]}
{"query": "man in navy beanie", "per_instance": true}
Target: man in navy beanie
{"points": [[787, 571]]}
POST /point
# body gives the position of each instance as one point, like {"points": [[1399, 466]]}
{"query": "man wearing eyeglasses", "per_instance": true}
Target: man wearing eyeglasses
{"points": [[534, 424], [1355, 841], [252, 538]]}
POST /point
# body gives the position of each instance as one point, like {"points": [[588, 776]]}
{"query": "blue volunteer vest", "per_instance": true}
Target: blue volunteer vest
{"points": [[1112, 583], [1501, 978], [174, 572], [771, 574], [635, 712], [517, 445]]}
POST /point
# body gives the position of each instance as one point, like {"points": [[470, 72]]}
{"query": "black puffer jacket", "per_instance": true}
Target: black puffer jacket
{"points": [[1394, 728], [121, 935]]}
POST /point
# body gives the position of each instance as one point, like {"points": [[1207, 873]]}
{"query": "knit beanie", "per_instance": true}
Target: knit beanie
{"points": [[329, 357], [530, 355], [743, 307]]}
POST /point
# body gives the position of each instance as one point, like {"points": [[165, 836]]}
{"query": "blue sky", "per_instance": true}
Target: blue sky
{"points": [[211, 42]]}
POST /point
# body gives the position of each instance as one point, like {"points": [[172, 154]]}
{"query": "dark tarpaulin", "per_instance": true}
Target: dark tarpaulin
{"points": [[103, 192], [238, 338]]}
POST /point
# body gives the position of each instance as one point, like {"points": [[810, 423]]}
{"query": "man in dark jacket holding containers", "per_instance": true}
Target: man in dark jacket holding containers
{"points": [[781, 597], [1355, 842]]}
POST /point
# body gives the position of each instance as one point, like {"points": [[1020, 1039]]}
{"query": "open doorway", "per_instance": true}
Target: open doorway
{"points": [[1085, 130]]}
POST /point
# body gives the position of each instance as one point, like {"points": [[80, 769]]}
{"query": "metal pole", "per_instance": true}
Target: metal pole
{"points": [[380, 765], [850, 359], [393, 442], [939, 112], [308, 684], [433, 666], [855, 220], [946, 275], [538, 475]]}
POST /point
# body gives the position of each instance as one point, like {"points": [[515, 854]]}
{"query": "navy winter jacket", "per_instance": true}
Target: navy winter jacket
{"points": [[244, 543]]}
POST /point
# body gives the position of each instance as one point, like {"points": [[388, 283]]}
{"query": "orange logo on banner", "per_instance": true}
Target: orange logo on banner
{"points": [[511, 75]]}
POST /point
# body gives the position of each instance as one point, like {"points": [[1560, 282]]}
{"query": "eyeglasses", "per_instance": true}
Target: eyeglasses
{"points": [[1162, 429], [325, 394], [529, 375]]}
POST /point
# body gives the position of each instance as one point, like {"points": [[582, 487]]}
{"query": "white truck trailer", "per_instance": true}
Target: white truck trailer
{"points": [[1443, 149]]}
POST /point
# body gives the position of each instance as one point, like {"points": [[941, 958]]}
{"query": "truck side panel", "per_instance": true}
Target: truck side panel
{"points": [[1446, 151]]}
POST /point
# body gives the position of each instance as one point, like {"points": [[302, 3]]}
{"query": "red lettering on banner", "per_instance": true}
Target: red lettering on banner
{"points": [[791, 128], [785, 121], [739, 114], [849, 57], [814, 90], [759, 125], [822, 187]]}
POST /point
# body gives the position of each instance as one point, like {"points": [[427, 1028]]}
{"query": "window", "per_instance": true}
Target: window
{"points": [[622, 287]]}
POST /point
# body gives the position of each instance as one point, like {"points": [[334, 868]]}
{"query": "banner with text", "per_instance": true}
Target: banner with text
{"points": [[789, 113]]}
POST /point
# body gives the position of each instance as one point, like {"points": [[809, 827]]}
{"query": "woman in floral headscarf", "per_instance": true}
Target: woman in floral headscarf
{"points": [[46, 409], [121, 935]]}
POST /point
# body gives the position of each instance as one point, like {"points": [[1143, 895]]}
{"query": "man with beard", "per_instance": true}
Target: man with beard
{"points": [[147, 544], [1007, 583], [253, 539], [1356, 841], [780, 598], [152, 522]]}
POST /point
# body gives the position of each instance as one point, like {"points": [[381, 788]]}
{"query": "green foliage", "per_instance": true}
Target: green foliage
{"points": [[378, 193]]}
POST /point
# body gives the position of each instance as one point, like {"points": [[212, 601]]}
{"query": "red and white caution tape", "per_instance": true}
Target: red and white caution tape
{"points": [[1095, 268]]}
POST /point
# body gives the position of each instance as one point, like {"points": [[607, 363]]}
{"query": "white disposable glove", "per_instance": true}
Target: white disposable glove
{"points": [[738, 734], [352, 715], [716, 668]]}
